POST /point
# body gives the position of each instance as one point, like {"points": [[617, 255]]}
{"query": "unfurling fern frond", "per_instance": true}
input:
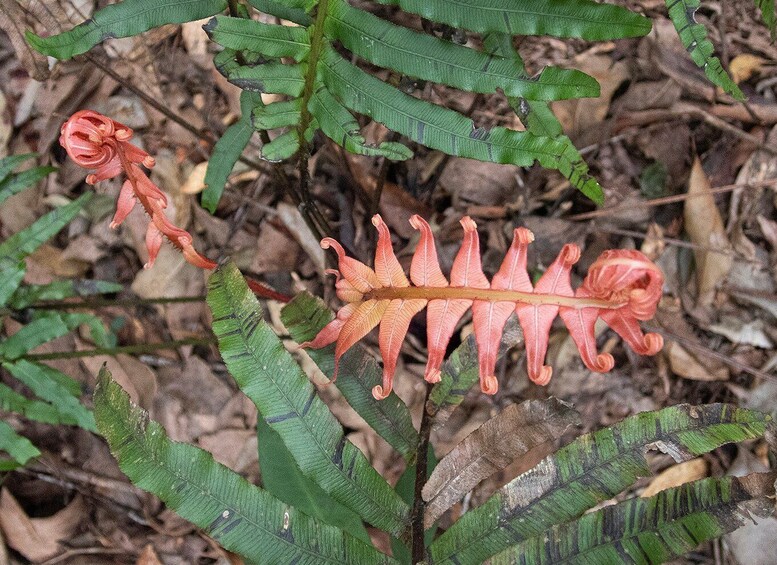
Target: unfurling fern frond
{"points": [[622, 287]]}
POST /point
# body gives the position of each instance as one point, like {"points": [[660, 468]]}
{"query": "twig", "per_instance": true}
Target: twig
{"points": [[106, 302], [672, 241], [727, 360], [667, 200], [139, 348], [421, 466], [380, 182]]}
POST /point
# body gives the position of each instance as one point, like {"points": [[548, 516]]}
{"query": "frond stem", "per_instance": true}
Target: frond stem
{"points": [[490, 294]]}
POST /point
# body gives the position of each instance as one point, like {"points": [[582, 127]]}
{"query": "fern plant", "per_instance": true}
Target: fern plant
{"points": [[311, 67], [55, 395], [319, 490], [323, 88]]}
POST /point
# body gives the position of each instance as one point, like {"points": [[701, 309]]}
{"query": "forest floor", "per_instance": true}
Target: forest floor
{"points": [[690, 179]]}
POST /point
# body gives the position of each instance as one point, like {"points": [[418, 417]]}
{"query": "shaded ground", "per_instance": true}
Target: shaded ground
{"points": [[659, 133]]}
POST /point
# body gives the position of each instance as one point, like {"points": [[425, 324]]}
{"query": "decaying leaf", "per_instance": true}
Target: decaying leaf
{"points": [[677, 475], [705, 227], [519, 429], [12, 22], [38, 539], [686, 365]]}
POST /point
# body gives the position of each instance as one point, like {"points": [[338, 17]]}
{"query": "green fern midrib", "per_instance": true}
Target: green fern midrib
{"points": [[631, 452], [160, 463], [524, 77], [316, 46], [289, 401]]}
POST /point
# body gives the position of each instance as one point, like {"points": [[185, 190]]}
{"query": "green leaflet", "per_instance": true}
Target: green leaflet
{"points": [[13, 274], [14, 249], [292, 11], [539, 119], [694, 39], [282, 147], [124, 19], [278, 114], [429, 58], [287, 400], [8, 164], [340, 126], [17, 183], [767, 15], [48, 326], [570, 18], [440, 128], [593, 468], [18, 447], [45, 382], [269, 40], [282, 478], [59, 290], [359, 372], [651, 530], [227, 151], [275, 78], [38, 410], [241, 517], [22, 243]]}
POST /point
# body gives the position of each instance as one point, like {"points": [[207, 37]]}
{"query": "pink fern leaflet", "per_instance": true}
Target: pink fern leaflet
{"points": [[622, 287]]}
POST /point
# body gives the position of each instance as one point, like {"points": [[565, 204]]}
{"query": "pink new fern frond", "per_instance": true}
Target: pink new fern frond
{"points": [[97, 142], [622, 287]]}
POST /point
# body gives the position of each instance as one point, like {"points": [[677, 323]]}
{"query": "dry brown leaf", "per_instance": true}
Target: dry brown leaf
{"points": [[677, 475], [237, 449], [195, 182], [705, 228], [687, 366], [744, 66], [37, 539], [519, 429], [135, 377], [274, 251], [12, 22], [577, 116], [148, 556]]}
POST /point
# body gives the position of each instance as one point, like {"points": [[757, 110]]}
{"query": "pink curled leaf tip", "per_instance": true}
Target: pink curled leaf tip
{"points": [[622, 287], [94, 141]]}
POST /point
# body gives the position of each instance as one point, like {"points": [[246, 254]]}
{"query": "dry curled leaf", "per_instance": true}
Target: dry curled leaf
{"points": [[519, 429]]}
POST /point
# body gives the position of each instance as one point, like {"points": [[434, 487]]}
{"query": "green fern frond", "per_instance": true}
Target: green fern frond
{"points": [[258, 55], [694, 38], [334, 87]]}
